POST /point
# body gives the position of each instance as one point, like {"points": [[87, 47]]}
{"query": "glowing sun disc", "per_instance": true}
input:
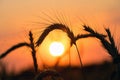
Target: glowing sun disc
{"points": [[56, 49]]}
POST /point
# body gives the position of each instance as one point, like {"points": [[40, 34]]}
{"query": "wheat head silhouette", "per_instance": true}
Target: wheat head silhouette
{"points": [[109, 46], [30, 45], [69, 33]]}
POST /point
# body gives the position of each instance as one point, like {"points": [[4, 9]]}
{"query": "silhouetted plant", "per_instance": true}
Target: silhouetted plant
{"points": [[70, 34], [13, 48], [109, 45], [30, 45]]}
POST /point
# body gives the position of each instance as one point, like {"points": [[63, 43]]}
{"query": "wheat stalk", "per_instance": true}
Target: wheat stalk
{"points": [[114, 50], [69, 33], [30, 45], [54, 27], [13, 48], [108, 45]]}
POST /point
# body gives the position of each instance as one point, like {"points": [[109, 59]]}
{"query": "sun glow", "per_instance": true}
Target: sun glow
{"points": [[56, 49]]}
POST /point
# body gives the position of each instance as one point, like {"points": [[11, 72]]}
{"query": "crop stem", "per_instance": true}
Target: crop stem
{"points": [[81, 64]]}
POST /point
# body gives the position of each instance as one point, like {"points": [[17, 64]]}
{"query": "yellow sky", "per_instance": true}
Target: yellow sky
{"points": [[17, 17]]}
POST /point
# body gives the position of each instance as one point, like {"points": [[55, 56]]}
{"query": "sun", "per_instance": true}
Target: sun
{"points": [[56, 49]]}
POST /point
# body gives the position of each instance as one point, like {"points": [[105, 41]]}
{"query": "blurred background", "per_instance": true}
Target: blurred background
{"points": [[17, 17]]}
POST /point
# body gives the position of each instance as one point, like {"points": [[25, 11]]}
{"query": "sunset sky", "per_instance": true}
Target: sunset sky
{"points": [[17, 17]]}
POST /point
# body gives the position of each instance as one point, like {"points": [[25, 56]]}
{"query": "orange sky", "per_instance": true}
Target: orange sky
{"points": [[17, 17]]}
